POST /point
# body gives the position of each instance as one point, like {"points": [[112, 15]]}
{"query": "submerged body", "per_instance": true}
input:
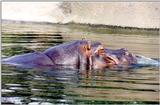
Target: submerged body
{"points": [[75, 54], [81, 54]]}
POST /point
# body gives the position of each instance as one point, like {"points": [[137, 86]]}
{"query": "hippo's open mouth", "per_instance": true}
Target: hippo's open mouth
{"points": [[110, 60]]}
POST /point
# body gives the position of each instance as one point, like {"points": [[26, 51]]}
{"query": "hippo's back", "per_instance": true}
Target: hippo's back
{"points": [[29, 60], [66, 53]]}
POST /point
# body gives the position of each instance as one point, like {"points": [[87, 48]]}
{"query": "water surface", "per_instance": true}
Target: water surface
{"points": [[47, 86]]}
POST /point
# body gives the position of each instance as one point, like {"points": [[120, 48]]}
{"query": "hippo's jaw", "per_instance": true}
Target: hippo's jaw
{"points": [[108, 59], [102, 61], [111, 60], [120, 57]]}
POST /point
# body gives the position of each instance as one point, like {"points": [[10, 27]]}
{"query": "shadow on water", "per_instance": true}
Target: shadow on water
{"points": [[47, 86]]}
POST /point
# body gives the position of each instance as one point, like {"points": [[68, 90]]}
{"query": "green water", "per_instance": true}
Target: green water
{"points": [[47, 86]]}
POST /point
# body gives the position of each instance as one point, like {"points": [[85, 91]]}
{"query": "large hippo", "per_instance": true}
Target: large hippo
{"points": [[77, 54], [81, 54]]}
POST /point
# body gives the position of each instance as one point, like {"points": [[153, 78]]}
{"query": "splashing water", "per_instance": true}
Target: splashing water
{"points": [[142, 60]]}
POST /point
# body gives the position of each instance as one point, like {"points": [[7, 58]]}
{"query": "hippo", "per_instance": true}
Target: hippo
{"points": [[109, 58], [122, 58], [79, 54]]}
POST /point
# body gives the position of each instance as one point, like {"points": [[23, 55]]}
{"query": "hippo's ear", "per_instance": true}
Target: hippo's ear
{"points": [[86, 48], [88, 45]]}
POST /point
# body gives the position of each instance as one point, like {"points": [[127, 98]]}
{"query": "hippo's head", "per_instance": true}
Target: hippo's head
{"points": [[96, 55], [120, 57], [103, 58], [92, 54]]}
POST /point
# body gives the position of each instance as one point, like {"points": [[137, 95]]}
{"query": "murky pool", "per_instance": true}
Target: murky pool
{"points": [[47, 86]]}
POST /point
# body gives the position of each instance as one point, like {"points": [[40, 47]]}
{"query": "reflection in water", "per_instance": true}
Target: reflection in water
{"points": [[47, 86]]}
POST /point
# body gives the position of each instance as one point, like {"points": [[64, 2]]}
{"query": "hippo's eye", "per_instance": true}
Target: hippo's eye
{"points": [[88, 48], [101, 50]]}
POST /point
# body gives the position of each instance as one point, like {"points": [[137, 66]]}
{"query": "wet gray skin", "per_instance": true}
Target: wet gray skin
{"points": [[79, 54], [76, 54], [121, 56], [108, 58]]}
